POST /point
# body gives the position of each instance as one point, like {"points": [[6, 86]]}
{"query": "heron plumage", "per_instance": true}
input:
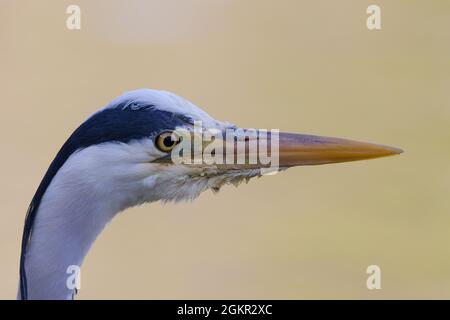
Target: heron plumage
{"points": [[112, 161]]}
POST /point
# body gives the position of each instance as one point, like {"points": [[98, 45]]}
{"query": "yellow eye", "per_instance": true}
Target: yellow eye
{"points": [[166, 141]]}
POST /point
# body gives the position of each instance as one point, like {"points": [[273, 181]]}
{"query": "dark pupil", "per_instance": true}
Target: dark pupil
{"points": [[168, 141]]}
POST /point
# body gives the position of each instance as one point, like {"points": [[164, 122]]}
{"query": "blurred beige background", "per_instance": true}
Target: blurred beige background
{"points": [[308, 66]]}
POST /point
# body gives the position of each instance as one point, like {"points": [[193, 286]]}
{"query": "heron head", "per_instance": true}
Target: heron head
{"points": [[150, 145]]}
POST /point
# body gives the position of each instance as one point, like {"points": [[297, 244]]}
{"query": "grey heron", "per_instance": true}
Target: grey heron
{"points": [[118, 158]]}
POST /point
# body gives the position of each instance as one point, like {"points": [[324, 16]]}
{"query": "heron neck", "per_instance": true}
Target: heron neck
{"points": [[71, 215]]}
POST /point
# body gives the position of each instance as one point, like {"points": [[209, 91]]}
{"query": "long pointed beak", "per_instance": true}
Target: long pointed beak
{"points": [[301, 149], [279, 150]]}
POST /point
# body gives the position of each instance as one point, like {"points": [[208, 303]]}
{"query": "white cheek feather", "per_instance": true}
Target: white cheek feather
{"points": [[123, 174], [182, 183]]}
